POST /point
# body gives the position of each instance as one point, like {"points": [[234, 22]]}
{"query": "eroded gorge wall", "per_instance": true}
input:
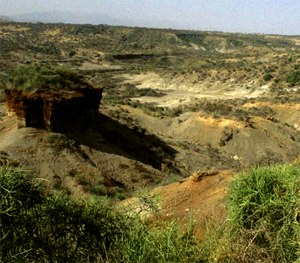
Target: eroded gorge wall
{"points": [[57, 111]]}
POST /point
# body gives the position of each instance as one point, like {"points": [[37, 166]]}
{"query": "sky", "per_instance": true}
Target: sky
{"points": [[243, 16]]}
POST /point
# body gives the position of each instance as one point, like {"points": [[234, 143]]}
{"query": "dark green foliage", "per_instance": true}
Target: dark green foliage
{"points": [[139, 39], [56, 228], [79, 231], [18, 196], [131, 91], [293, 78], [34, 78], [236, 42], [36, 227], [192, 38], [88, 29], [268, 77], [45, 48], [276, 81]]}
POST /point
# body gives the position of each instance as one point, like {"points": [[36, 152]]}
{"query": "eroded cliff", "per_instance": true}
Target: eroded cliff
{"points": [[56, 111]]}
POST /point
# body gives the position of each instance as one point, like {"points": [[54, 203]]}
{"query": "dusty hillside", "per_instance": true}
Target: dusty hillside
{"points": [[130, 149], [175, 103]]}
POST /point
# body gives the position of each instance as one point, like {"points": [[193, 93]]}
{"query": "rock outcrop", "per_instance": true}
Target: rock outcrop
{"points": [[56, 111]]}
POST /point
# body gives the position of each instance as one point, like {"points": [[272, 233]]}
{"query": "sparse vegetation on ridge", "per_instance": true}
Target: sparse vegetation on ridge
{"points": [[35, 78]]}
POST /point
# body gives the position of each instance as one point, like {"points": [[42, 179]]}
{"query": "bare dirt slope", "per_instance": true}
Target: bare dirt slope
{"points": [[131, 149], [226, 143], [109, 155], [199, 198]]}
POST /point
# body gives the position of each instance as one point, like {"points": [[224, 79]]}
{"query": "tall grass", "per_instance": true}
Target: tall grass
{"points": [[264, 212], [165, 242]]}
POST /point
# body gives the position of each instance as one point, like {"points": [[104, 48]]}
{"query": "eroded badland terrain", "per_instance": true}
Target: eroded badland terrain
{"points": [[174, 103]]}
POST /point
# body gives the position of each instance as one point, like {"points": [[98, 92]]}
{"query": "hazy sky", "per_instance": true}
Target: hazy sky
{"points": [[246, 16]]}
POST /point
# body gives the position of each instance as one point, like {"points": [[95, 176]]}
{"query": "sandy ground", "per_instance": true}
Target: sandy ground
{"points": [[179, 92]]}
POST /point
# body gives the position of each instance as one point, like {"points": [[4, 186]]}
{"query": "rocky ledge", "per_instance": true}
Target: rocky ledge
{"points": [[56, 111]]}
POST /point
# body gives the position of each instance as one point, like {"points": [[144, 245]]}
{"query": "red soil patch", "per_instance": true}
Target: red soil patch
{"points": [[201, 200]]}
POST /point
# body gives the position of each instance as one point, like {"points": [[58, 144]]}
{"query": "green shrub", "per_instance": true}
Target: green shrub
{"points": [[120, 196], [58, 141], [36, 227], [293, 78], [19, 196], [289, 125], [268, 77], [45, 48], [34, 78], [80, 178], [276, 81], [176, 111], [99, 189], [40, 228]]}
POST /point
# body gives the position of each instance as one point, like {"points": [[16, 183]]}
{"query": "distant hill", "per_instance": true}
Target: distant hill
{"points": [[5, 18], [64, 17], [88, 18]]}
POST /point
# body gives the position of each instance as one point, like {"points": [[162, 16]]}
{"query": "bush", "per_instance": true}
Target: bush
{"points": [[293, 78], [40, 228], [34, 78], [99, 189], [80, 178], [58, 141], [268, 77], [36, 227]]}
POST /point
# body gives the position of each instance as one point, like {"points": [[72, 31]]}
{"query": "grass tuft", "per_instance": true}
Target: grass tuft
{"points": [[263, 211]]}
